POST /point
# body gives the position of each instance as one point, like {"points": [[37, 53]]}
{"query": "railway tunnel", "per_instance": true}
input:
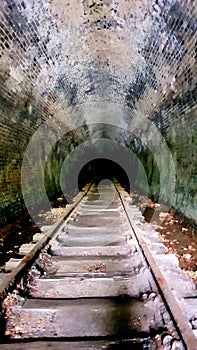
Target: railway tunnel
{"points": [[87, 80], [94, 90]]}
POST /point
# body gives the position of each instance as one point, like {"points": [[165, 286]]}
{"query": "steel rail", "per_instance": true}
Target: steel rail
{"points": [[17, 272], [185, 332]]}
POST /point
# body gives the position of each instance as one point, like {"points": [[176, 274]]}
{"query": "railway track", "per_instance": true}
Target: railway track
{"points": [[97, 279]]}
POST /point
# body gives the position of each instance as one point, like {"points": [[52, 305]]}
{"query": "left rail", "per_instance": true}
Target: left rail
{"points": [[18, 271]]}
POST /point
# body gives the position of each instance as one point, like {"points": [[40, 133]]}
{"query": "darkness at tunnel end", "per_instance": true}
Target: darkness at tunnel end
{"points": [[100, 169]]}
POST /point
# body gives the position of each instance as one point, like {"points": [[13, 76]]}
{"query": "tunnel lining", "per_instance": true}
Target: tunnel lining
{"points": [[131, 64]]}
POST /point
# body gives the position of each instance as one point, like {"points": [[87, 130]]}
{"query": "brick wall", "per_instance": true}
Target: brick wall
{"points": [[127, 66]]}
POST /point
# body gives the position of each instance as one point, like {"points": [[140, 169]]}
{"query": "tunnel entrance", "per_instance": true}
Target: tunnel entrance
{"points": [[101, 168]]}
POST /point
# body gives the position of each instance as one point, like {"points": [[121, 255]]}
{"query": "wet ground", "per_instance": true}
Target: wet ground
{"points": [[179, 238]]}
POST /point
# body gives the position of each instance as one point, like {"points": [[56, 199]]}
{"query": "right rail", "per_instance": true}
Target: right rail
{"points": [[97, 284]]}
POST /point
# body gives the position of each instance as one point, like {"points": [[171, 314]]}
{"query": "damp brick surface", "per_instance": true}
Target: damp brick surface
{"points": [[128, 68]]}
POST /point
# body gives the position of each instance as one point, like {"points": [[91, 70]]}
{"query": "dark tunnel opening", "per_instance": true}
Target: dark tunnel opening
{"points": [[100, 169]]}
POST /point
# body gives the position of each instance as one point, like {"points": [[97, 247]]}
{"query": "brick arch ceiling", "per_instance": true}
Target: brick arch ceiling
{"points": [[72, 58]]}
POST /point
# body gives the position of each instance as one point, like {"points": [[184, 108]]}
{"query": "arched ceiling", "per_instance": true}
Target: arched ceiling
{"points": [[122, 70], [91, 61]]}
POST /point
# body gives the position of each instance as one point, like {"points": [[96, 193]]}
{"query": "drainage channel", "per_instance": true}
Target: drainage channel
{"points": [[89, 284]]}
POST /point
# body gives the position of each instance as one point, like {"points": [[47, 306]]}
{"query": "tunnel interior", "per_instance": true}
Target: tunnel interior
{"points": [[83, 75], [101, 169]]}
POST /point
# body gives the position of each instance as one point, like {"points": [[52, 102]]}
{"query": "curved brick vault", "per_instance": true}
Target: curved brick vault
{"points": [[119, 70]]}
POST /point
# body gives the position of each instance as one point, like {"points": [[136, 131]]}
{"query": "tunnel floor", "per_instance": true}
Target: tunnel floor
{"points": [[179, 238]]}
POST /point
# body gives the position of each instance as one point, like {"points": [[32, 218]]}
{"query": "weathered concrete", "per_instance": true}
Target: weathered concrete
{"points": [[98, 240], [26, 248], [98, 251], [81, 318], [115, 266], [109, 230], [37, 237], [11, 264], [87, 287]]}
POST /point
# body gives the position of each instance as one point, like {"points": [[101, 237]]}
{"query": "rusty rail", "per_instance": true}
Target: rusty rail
{"points": [[185, 332], [174, 309], [28, 258]]}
